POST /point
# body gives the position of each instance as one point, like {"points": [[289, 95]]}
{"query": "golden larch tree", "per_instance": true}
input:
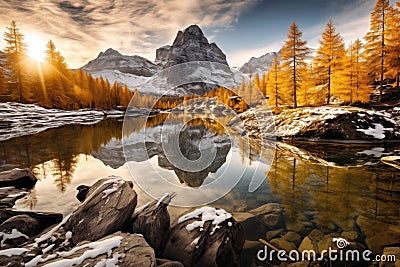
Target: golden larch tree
{"points": [[329, 57], [293, 54], [376, 40]]}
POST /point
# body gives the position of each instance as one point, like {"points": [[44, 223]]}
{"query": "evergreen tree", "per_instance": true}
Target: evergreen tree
{"points": [[15, 50], [329, 57], [272, 86], [376, 40], [294, 54]]}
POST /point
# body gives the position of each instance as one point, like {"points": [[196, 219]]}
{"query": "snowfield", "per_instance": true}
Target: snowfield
{"points": [[24, 119]]}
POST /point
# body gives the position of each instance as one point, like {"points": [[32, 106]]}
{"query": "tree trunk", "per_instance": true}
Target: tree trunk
{"points": [[329, 86]]}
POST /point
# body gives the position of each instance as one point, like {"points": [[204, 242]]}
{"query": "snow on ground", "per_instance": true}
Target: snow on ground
{"points": [[24, 119], [130, 80]]}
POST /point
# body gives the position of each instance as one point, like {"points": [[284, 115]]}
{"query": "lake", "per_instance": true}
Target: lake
{"points": [[329, 187]]}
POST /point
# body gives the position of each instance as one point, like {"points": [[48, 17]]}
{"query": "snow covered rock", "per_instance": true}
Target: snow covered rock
{"points": [[18, 178], [328, 123], [205, 237], [108, 206], [162, 55], [26, 119], [153, 221], [18, 229], [117, 249], [192, 45], [259, 65]]}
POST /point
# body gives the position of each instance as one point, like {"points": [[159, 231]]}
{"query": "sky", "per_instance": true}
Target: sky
{"points": [[241, 28]]}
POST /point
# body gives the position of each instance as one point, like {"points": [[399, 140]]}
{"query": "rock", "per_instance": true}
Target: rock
{"points": [[379, 241], [162, 55], [46, 219], [259, 65], [112, 60], [19, 178], [205, 237], [299, 264], [153, 222], [274, 234], [281, 243], [168, 263], [16, 230], [316, 235], [349, 235], [9, 195], [242, 216], [293, 237], [307, 244], [391, 251], [192, 45], [82, 192], [295, 226], [117, 249], [270, 215], [109, 205]]}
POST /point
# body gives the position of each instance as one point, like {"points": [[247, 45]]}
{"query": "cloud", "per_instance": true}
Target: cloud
{"points": [[81, 29]]}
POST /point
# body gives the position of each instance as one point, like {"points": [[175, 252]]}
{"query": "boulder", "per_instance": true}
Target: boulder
{"points": [[153, 221], [16, 230], [168, 263], [281, 243], [46, 219], [392, 251], [293, 237], [82, 192], [205, 237], [108, 207], [117, 249], [9, 195], [19, 178], [274, 234], [270, 215]]}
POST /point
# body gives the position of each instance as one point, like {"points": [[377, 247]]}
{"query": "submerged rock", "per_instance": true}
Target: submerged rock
{"points": [[205, 237], [153, 221], [109, 204], [19, 178]]}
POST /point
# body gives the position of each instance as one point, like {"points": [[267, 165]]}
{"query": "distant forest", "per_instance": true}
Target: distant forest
{"points": [[50, 83]]}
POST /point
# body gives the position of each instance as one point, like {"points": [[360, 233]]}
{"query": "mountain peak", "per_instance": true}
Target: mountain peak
{"points": [[109, 52], [191, 45]]}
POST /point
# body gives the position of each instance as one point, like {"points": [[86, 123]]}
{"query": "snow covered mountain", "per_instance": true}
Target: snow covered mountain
{"points": [[127, 70], [259, 65], [189, 45]]}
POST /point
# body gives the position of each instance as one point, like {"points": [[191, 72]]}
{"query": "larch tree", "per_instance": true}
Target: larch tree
{"points": [[273, 80], [354, 74], [393, 43], [329, 56], [376, 40], [293, 54], [15, 50]]}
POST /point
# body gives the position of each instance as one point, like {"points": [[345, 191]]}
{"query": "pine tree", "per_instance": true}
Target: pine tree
{"points": [[15, 50], [294, 54], [329, 57], [376, 40]]}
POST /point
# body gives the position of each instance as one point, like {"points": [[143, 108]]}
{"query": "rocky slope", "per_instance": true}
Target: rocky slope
{"points": [[259, 65], [127, 70], [191, 45]]}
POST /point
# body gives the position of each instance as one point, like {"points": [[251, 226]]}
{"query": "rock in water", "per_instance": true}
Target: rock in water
{"points": [[153, 221], [19, 178], [205, 237], [192, 45], [109, 204]]}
